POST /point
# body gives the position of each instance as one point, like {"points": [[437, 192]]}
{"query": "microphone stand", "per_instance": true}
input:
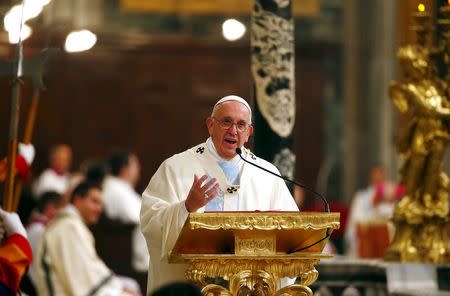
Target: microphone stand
{"points": [[325, 202]]}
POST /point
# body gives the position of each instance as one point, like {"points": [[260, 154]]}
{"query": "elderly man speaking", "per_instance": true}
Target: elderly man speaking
{"points": [[207, 177]]}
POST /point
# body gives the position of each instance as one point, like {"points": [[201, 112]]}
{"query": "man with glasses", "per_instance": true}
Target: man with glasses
{"points": [[207, 177]]}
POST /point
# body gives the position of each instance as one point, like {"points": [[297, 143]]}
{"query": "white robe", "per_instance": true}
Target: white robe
{"points": [[34, 231], [360, 210], [163, 211], [67, 260], [49, 180], [121, 202]]}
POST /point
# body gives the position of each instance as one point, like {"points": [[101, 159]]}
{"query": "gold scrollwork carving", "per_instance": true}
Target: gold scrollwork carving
{"points": [[304, 268], [255, 246], [215, 290], [260, 221], [255, 283], [249, 283], [294, 290], [196, 276]]}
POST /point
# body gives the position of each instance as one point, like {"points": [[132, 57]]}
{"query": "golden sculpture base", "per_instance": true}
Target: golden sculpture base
{"points": [[426, 242]]}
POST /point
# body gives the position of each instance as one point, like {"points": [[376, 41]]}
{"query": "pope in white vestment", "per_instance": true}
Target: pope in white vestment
{"points": [[207, 177]]}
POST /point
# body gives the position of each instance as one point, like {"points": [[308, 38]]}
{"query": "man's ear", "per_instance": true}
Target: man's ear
{"points": [[124, 171], [209, 124], [249, 133], [75, 200]]}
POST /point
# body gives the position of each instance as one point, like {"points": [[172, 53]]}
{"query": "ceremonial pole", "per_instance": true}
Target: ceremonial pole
{"points": [[33, 68], [8, 197], [272, 46], [32, 112]]}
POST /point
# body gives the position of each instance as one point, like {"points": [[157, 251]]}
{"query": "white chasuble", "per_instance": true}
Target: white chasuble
{"points": [[67, 263], [163, 211]]}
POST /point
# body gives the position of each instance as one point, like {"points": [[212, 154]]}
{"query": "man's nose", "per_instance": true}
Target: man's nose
{"points": [[233, 128]]}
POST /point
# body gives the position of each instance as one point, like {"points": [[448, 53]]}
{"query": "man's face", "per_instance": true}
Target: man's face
{"points": [[62, 158], [377, 175], [226, 140], [134, 170], [51, 209], [90, 207]]}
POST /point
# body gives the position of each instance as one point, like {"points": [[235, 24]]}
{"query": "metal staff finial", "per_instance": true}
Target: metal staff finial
{"points": [[20, 44]]}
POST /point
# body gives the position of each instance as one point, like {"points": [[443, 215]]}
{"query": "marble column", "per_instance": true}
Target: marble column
{"points": [[370, 41]]}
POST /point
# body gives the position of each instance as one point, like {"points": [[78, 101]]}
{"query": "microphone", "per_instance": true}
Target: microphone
{"points": [[325, 202]]}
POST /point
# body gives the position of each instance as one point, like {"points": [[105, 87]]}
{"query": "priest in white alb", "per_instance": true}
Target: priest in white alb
{"points": [[66, 262], [207, 177]]}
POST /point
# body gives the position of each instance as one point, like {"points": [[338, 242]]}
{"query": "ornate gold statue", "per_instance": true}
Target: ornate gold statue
{"points": [[420, 217]]}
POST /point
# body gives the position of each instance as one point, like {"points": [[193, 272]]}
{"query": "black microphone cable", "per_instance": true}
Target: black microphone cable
{"points": [[324, 200]]}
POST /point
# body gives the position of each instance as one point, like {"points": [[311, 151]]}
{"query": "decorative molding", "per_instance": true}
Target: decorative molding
{"points": [[249, 221], [310, 8], [255, 246], [200, 269]]}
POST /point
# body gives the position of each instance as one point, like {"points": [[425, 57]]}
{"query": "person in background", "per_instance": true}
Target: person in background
{"points": [[66, 261], [123, 203], [46, 208], [56, 177], [377, 201]]}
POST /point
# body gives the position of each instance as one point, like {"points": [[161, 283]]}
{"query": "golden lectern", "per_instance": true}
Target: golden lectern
{"points": [[253, 251]]}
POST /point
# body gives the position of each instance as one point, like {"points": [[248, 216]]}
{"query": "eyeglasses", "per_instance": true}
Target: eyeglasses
{"points": [[226, 123]]}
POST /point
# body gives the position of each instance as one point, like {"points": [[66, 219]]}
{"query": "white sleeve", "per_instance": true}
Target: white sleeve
{"points": [[163, 210], [123, 205], [35, 232], [133, 207], [356, 210], [27, 151], [285, 198]]}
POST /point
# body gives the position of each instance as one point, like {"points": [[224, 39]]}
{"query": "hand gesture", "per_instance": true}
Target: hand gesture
{"points": [[200, 194]]}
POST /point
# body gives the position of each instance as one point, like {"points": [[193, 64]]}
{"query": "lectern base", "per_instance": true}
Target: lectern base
{"points": [[253, 276], [253, 252], [259, 289]]}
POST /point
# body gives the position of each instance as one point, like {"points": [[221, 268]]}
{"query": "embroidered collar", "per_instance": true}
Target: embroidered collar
{"points": [[217, 157]]}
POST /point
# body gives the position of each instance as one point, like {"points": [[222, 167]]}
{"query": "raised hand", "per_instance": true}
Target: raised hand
{"points": [[200, 194]]}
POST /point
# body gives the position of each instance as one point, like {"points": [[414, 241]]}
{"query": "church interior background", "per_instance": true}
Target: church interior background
{"points": [[156, 68]]}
